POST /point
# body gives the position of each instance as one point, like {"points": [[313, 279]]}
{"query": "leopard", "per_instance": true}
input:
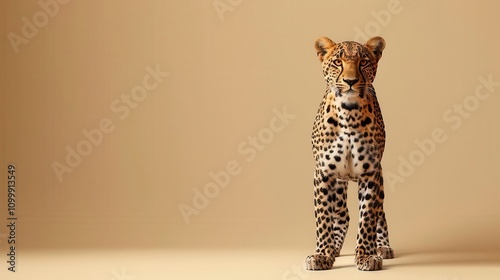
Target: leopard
{"points": [[348, 141]]}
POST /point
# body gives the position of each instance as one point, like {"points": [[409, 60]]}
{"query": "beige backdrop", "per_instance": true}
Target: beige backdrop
{"points": [[121, 116]]}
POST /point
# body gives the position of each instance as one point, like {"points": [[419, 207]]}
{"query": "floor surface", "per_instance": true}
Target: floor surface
{"points": [[241, 264]]}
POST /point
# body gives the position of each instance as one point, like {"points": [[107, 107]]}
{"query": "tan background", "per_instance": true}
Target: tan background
{"points": [[229, 71]]}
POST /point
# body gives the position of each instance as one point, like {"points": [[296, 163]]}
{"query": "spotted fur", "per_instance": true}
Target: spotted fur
{"points": [[348, 143]]}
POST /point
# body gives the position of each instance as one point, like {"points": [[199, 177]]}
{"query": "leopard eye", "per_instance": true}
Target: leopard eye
{"points": [[364, 62], [337, 62]]}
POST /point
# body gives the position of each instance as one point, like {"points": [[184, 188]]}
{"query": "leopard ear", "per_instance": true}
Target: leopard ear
{"points": [[323, 46], [376, 45]]}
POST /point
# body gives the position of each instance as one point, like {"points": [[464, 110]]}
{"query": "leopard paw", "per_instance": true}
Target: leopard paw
{"points": [[319, 262], [369, 263], [385, 252]]}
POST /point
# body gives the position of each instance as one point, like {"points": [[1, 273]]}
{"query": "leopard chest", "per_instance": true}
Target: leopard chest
{"points": [[345, 138]]}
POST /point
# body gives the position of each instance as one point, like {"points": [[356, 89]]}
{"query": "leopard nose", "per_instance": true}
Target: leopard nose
{"points": [[350, 82]]}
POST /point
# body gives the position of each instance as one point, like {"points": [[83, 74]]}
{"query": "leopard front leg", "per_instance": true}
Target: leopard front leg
{"points": [[384, 249], [370, 195], [332, 220]]}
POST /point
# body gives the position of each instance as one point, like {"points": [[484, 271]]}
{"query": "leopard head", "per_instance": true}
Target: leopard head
{"points": [[349, 66]]}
